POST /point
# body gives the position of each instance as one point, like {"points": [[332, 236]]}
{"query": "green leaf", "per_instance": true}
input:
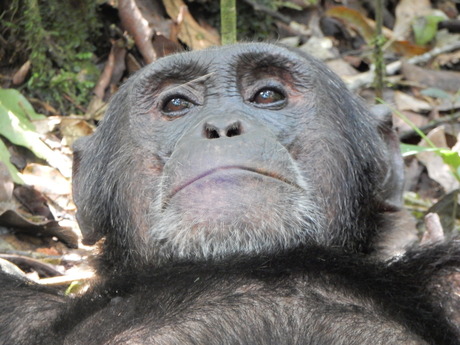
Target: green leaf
{"points": [[436, 93], [15, 125], [74, 288], [451, 158], [425, 28], [5, 158], [13, 100], [409, 150]]}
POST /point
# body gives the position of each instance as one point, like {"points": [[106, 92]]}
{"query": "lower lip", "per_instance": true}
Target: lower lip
{"points": [[214, 171]]}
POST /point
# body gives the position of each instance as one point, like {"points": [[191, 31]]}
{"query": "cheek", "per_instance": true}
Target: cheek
{"points": [[156, 137], [143, 191]]}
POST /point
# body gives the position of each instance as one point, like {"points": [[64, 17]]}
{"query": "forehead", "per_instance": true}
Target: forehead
{"points": [[227, 58]]}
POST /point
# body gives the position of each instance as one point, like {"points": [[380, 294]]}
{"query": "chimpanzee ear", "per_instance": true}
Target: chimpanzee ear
{"points": [[392, 185], [78, 148], [90, 235]]}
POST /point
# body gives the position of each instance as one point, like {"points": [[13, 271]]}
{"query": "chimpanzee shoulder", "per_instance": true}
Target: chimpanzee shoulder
{"points": [[323, 296]]}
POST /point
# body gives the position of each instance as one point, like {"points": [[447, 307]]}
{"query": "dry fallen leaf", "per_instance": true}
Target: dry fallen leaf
{"points": [[190, 32], [437, 170], [444, 80], [406, 11], [406, 102]]}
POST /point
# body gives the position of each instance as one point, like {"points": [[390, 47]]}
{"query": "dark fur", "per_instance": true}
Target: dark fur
{"points": [[307, 296], [309, 276]]}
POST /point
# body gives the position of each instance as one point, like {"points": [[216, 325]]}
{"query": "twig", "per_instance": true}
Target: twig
{"points": [[106, 74], [365, 79], [35, 264], [67, 279], [261, 8], [71, 100], [446, 119]]}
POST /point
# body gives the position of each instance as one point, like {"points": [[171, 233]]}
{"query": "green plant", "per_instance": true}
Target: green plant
{"points": [[58, 39], [450, 158]]}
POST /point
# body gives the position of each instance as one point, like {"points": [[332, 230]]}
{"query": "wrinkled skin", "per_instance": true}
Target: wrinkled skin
{"points": [[234, 150], [243, 196]]}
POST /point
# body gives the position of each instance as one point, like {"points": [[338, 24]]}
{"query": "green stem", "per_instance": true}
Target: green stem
{"points": [[379, 41], [228, 21]]}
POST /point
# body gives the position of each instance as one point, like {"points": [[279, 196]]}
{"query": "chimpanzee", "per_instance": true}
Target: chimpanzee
{"points": [[241, 195]]}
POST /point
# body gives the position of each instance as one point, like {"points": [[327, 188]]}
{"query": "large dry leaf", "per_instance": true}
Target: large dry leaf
{"points": [[366, 28], [444, 80], [434, 164], [355, 18], [36, 225], [406, 102], [406, 12], [190, 32]]}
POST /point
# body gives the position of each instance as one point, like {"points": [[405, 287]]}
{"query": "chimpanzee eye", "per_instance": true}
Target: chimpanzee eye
{"points": [[176, 104], [268, 96]]}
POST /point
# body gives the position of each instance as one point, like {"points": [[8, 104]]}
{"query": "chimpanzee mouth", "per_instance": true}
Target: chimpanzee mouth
{"points": [[266, 173]]}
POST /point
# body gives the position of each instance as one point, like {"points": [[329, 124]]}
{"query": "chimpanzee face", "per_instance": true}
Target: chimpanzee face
{"points": [[241, 149]]}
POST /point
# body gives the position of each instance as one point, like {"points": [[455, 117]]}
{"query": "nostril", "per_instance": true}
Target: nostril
{"points": [[222, 130], [210, 132], [234, 130]]}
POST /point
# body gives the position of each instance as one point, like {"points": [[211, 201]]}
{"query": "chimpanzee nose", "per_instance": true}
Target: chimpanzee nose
{"points": [[222, 128]]}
